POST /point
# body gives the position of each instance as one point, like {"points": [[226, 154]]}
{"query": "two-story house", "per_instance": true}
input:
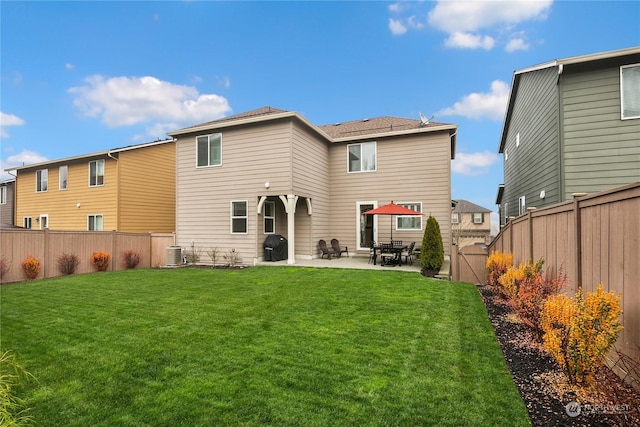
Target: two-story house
{"points": [[572, 126], [128, 189], [470, 224], [271, 171], [7, 191]]}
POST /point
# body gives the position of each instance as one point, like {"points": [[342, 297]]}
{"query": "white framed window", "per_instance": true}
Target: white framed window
{"points": [[506, 212], [269, 214], [209, 150], [410, 222], [42, 180], [3, 195], [478, 217], [522, 205], [630, 91], [361, 157], [26, 222], [455, 218], [63, 175], [96, 173], [95, 222], [239, 217]]}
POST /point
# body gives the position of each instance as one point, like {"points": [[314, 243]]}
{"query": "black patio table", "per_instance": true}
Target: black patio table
{"points": [[397, 251]]}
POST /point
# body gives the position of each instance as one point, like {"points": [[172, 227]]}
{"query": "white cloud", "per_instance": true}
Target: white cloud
{"points": [[469, 41], [516, 44], [25, 157], [128, 101], [490, 105], [69, 66], [465, 16], [397, 27], [471, 24], [474, 164], [9, 120]]}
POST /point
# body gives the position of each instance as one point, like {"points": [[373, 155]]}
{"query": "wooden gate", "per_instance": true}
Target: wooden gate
{"points": [[469, 264]]}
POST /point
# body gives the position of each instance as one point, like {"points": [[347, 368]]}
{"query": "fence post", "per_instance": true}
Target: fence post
{"points": [[530, 224], [114, 248], [45, 252], [578, 236]]}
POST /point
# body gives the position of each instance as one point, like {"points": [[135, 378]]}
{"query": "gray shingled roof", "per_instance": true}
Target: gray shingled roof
{"points": [[373, 126], [264, 111], [465, 206]]}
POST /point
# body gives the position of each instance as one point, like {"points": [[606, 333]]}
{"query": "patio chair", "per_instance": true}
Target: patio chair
{"points": [[387, 254], [324, 249], [372, 252], [396, 242], [408, 254], [337, 249]]}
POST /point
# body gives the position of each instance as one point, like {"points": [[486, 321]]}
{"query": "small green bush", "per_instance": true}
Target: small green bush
{"points": [[13, 410], [432, 251]]}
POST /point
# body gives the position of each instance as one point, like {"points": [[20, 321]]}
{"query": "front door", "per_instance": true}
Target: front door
{"points": [[366, 225]]}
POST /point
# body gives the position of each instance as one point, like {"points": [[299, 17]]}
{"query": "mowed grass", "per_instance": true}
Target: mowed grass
{"points": [[283, 346]]}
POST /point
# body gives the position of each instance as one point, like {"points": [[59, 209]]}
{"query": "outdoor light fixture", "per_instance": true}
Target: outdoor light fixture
{"points": [[267, 185]]}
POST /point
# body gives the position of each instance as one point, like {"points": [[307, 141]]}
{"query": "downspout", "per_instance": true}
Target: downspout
{"points": [[561, 183], [117, 189]]}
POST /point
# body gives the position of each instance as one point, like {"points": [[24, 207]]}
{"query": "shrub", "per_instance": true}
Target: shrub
{"points": [[13, 410], [131, 258], [4, 267], [532, 293], [232, 257], [579, 331], [214, 254], [498, 264], [67, 263], [101, 260], [193, 255], [513, 277], [432, 251], [31, 267]]}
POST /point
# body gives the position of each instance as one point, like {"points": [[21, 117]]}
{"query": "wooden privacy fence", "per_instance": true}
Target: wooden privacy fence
{"points": [[593, 239], [48, 245], [469, 264]]}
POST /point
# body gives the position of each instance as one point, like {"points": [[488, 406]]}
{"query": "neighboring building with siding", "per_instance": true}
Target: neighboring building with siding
{"points": [[470, 224], [7, 190], [572, 126], [271, 171], [129, 189]]}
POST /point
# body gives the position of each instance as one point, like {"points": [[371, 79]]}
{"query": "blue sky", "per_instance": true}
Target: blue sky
{"points": [[79, 77]]}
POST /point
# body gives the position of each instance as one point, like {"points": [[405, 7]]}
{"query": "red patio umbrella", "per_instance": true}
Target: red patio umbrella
{"points": [[392, 209]]}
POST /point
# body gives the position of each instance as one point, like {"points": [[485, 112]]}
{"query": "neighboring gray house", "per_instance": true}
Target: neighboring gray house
{"points": [[7, 204], [572, 126], [269, 172], [470, 224]]}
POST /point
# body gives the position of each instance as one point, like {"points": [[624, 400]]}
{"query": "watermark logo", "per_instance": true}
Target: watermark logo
{"points": [[573, 409]]}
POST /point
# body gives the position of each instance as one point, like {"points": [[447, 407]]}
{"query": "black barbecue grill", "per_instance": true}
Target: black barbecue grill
{"points": [[276, 248]]}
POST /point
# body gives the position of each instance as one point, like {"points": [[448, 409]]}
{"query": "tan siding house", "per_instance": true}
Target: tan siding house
{"points": [[126, 189], [271, 171]]}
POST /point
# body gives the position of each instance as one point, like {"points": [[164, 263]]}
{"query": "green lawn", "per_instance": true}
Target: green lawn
{"points": [[283, 346]]}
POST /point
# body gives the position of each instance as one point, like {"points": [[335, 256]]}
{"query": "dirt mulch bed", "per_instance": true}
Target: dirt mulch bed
{"points": [[544, 388]]}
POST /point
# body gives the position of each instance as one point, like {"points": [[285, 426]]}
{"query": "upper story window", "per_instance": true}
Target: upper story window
{"points": [[455, 218], [63, 174], [239, 217], [3, 195], [410, 222], [478, 217], [362, 157], [42, 180], [209, 150], [630, 91], [96, 173], [94, 222], [269, 213]]}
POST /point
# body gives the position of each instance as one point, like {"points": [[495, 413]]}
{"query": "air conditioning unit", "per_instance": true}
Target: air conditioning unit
{"points": [[174, 256]]}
